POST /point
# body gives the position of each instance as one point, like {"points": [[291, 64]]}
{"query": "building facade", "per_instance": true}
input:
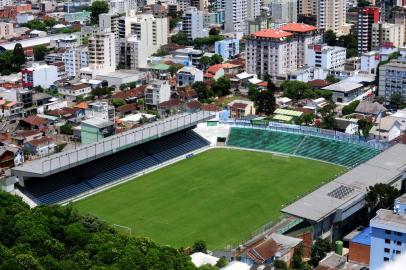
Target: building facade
{"points": [[327, 57], [331, 15], [227, 48], [75, 59], [284, 11], [367, 16], [102, 52], [192, 24], [392, 79], [39, 75], [157, 91], [6, 30], [238, 12], [388, 34], [388, 238]]}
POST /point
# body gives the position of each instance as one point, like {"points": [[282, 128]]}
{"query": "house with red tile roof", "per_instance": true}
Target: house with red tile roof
{"points": [[34, 122], [214, 72], [41, 147]]}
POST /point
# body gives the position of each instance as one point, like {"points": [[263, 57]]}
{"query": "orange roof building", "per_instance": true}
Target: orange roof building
{"points": [[272, 33], [298, 28]]}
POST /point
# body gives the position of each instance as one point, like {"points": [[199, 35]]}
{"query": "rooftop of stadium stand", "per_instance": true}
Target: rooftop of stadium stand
{"points": [[350, 187], [68, 159]]}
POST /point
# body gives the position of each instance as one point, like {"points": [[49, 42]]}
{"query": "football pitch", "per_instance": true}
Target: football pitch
{"points": [[220, 196]]}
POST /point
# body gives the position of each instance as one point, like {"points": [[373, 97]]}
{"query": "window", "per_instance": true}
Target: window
{"points": [[387, 241], [388, 231], [399, 233], [397, 251], [386, 250], [398, 243], [385, 259]]}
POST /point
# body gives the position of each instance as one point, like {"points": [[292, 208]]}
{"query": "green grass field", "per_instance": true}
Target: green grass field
{"points": [[220, 196]]}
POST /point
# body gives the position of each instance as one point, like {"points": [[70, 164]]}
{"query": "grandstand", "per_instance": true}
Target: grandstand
{"points": [[66, 184], [65, 175], [338, 152]]}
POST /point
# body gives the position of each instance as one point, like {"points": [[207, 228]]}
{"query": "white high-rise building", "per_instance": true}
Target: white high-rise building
{"points": [[102, 55], [109, 22], [4, 3], [122, 6], [75, 59], [238, 12], [388, 34], [132, 53], [331, 15], [192, 23], [151, 31], [326, 57], [284, 11]]}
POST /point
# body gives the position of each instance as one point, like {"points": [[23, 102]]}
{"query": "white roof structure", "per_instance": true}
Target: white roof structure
{"points": [[200, 259], [254, 80], [236, 265], [350, 188], [59, 26], [343, 86], [137, 117], [31, 42], [245, 75]]}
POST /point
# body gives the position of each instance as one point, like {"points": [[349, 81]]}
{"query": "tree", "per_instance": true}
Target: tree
{"points": [[279, 265], [294, 90], [328, 121], [350, 42], [308, 118], [271, 86], [253, 91], [364, 126], [173, 22], [265, 102], [199, 246], [297, 261], [320, 249], [117, 102], [330, 37], [36, 25], [98, 7], [222, 86], [18, 57], [50, 22], [40, 52], [180, 38], [173, 69], [214, 31], [363, 3], [350, 108], [216, 59], [381, 196], [396, 100], [332, 79], [67, 129], [203, 92], [205, 61], [221, 263]]}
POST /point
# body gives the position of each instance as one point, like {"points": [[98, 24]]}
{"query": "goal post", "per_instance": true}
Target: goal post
{"points": [[123, 229]]}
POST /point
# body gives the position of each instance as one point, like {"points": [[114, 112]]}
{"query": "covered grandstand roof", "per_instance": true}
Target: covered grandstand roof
{"points": [[69, 159], [351, 187]]}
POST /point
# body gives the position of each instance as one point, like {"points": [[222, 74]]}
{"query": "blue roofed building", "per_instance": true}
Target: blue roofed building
{"points": [[360, 247], [388, 237], [227, 48]]}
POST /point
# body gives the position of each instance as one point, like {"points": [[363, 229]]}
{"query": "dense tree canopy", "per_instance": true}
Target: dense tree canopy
{"points": [[319, 250], [56, 237], [36, 25], [381, 196], [330, 37], [18, 57], [350, 108], [40, 52], [296, 90], [98, 7]]}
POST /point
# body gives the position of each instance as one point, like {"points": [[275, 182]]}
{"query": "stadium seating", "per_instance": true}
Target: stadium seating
{"points": [[338, 152], [264, 140], [67, 184]]}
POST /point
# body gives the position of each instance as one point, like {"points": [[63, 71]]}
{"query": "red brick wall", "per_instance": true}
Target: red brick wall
{"points": [[359, 253]]}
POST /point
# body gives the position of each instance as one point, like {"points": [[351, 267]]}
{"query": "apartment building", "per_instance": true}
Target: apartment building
{"points": [[150, 30], [238, 12], [122, 6], [132, 53], [6, 30], [272, 52], [326, 57], [192, 24], [367, 16], [284, 11], [388, 34], [388, 234], [4, 3], [306, 7], [102, 55], [392, 79], [39, 75], [305, 35], [331, 15], [75, 59], [108, 22], [278, 52], [188, 75], [157, 91], [227, 48]]}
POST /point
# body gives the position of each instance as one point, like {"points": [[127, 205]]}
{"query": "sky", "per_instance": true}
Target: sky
{"points": [[398, 264]]}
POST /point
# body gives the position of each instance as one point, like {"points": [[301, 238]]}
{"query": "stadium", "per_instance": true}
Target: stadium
{"points": [[188, 178]]}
